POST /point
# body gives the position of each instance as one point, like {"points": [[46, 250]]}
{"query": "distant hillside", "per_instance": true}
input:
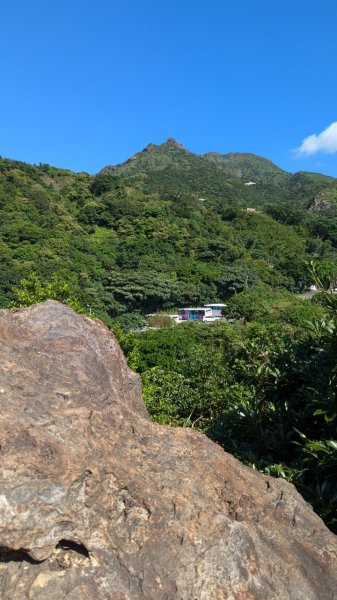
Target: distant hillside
{"points": [[249, 167], [169, 167], [244, 178]]}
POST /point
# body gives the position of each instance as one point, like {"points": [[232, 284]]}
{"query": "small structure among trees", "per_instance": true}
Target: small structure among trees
{"points": [[209, 312]]}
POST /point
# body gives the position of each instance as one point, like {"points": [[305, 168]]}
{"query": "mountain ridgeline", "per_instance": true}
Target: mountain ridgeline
{"points": [[169, 166], [164, 229]]}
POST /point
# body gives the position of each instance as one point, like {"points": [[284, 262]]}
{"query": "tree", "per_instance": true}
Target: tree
{"points": [[32, 290]]}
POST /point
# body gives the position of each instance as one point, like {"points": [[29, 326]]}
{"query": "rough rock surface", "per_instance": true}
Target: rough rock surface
{"points": [[99, 503]]}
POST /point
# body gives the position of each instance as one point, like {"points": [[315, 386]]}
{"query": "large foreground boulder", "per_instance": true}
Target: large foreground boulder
{"points": [[99, 503]]}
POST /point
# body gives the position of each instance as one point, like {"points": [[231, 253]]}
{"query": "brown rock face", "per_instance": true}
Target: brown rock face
{"points": [[99, 503]]}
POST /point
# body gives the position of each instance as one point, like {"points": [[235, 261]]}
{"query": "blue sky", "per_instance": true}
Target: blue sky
{"points": [[88, 83]]}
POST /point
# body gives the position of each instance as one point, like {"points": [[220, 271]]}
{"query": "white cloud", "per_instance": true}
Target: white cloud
{"points": [[326, 142]]}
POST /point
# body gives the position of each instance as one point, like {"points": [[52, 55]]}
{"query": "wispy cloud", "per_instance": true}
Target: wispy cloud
{"points": [[325, 142]]}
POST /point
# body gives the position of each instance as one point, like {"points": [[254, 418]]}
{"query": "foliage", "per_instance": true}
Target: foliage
{"points": [[292, 420], [266, 305], [208, 362], [103, 183], [175, 233], [266, 392], [159, 320], [32, 290]]}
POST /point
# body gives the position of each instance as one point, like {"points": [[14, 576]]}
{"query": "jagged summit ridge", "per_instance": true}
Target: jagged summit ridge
{"points": [[169, 144], [171, 165], [174, 142], [171, 168]]}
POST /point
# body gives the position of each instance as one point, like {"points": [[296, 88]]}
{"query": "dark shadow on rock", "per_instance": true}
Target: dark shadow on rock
{"points": [[8, 555]]}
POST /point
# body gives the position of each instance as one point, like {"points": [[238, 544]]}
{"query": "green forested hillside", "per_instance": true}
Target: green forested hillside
{"points": [[170, 168], [249, 167], [125, 248]]}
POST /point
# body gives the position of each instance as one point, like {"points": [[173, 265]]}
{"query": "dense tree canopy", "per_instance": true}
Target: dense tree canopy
{"points": [[123, 249]]}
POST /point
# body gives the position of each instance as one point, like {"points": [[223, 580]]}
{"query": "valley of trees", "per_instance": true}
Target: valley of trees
{"points": [[168, 229]]}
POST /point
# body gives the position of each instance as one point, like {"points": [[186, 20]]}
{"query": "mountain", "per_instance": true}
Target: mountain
{"points": [[169, 167], [244, 177]]}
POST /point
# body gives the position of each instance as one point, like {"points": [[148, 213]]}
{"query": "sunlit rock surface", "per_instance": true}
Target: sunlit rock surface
{"points": [[97, 502]]}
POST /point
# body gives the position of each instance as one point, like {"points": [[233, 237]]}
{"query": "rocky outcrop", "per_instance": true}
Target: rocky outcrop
{"points": [[99, 503], [321, 202], [170, 144]]}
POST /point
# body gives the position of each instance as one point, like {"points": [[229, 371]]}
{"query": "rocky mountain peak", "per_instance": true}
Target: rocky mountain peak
{"points": [[174, 142]]}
